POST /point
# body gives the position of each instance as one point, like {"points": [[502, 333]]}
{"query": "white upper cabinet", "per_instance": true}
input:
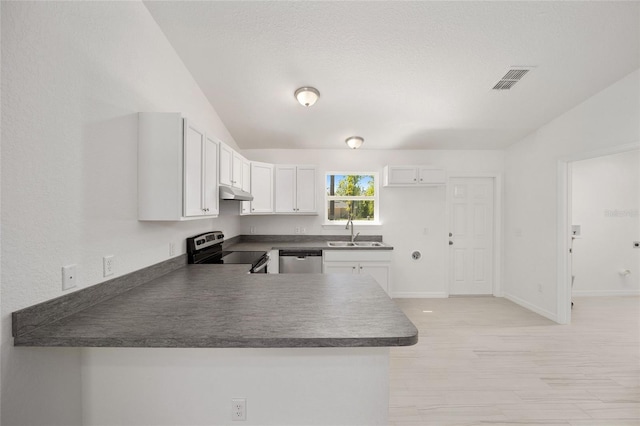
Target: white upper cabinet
{"points": [[210, 176], [236, 174], [200, 172], [285, 189], [177, 169], [261, 187], [431, 176], [194, 143], [295, 189], [245, 206], [306, 189], [226, 165], [230, 166], [400, 175], [413, 176]]}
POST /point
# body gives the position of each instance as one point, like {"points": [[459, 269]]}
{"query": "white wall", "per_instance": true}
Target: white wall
{"points": [[405, 212], [75, 74], [606, 120], [282, 386], [605, 202]]}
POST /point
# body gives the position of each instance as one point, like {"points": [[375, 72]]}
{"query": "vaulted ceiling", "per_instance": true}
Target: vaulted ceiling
{"points": [[403, 75]]}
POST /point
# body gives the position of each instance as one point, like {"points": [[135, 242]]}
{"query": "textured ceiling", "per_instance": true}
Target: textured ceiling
{"points": [[403, 75]]}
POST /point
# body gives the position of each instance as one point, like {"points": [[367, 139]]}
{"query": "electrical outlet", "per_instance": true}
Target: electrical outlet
{"points": [[539, 287], [107, 265], [303, 230], [238, 409], [252, 230], [172, 249], [297, 230], [68, 277]]}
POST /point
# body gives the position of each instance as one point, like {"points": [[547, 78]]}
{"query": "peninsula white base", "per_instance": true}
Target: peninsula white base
{"points": [[301, 386]]}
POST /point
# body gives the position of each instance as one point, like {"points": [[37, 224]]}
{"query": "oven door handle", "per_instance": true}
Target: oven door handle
{"points": [[262, 266]]}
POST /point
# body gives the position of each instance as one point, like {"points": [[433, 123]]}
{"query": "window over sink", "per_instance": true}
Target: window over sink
{"points": [[350, 195]]}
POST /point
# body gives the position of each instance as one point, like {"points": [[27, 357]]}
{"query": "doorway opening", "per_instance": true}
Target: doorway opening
{"points": [[597, 225]]}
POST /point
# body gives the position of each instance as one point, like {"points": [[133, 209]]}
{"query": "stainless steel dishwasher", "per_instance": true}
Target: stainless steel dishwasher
{"points": [[300, 261]]}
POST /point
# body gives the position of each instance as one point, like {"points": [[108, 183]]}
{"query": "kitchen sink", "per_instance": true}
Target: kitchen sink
{"points": [[368, 244], [354, 244]]}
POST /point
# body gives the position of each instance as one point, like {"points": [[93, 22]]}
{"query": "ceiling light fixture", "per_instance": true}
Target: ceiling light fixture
{"points": [[354, 142], [307, 96]]}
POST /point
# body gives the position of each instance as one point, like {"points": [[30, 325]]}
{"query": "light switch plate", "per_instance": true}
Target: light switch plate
{"points": [[69, 277]]}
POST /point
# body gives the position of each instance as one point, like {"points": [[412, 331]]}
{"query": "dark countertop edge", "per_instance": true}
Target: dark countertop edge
{"points": [[306, 238], [284, 246], [318, 242], [218, 343]]}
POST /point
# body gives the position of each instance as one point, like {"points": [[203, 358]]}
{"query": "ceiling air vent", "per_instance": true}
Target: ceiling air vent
{"points": [[512, 76]]}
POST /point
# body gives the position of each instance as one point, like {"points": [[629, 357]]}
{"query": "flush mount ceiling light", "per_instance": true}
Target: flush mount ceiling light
{"points": [[354, 142], [307, 96]]}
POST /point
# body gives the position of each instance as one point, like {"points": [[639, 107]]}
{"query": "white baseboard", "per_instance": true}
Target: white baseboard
{"points": [[419, 295], [590, 293], [531, 307]]}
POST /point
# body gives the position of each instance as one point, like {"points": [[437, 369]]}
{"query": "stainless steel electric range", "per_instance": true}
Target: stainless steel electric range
{"points": [[207, 249]]}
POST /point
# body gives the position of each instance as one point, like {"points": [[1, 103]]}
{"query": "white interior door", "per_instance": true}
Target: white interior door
{"points": [[471, 236]]}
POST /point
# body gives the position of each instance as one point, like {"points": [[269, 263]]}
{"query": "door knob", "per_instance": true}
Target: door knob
{"points": [[450, 234], [450, 243]]}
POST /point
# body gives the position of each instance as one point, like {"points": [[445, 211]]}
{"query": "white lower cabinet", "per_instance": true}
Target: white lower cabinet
{"points": [[274, 262], [376, 263]]}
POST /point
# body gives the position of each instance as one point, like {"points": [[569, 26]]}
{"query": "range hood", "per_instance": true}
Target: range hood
{"points": [[231, 193]]}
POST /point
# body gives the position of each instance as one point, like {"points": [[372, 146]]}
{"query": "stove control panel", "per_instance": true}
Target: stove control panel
{"points": [[202, 241]]}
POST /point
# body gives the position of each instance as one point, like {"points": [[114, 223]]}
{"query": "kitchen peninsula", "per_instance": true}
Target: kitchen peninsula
{"points": [[312, 346]]}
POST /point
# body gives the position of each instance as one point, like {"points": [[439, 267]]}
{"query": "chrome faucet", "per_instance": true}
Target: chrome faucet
{"points": [[350, 222]]}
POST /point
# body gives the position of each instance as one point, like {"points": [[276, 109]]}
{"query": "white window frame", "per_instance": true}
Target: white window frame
{"points": [[375, 198]]}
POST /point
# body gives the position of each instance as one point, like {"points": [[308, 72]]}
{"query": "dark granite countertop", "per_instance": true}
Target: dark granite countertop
{"points": [[221, 306], [292, 242], [292, 245]]}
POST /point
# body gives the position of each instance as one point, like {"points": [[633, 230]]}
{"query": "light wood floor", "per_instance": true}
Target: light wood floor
{"points": [[487, 361]]}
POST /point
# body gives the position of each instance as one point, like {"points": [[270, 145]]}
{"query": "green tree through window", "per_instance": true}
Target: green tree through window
{"points": [[351, 196]]}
